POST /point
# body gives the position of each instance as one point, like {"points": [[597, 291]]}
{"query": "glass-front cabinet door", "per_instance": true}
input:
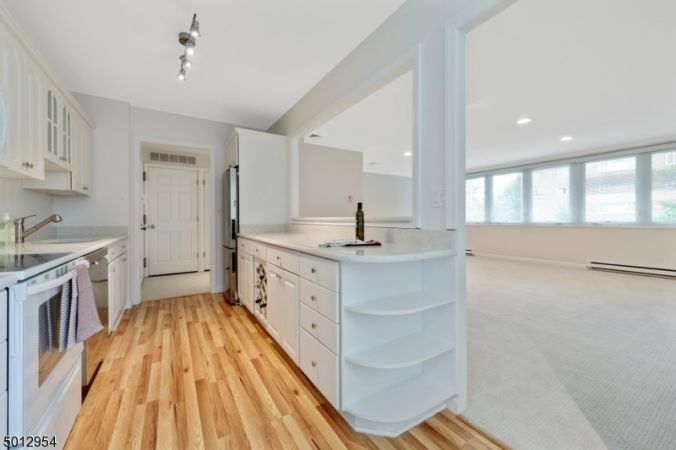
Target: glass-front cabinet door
{"points": [[52, 124]]}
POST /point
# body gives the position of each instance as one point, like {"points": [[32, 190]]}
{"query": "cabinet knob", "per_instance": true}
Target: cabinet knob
{"points": [[314, 363], [278, 258], [314, 325], [86, 188], [313, 298], [313, 270]]}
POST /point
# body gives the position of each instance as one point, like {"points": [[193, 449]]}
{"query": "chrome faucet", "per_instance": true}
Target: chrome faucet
{"points": [[22, 233]]}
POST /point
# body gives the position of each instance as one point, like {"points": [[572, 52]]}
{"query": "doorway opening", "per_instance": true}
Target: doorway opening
{"points": [[175, 199]]}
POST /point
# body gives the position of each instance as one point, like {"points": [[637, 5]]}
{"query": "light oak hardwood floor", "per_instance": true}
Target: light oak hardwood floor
{"points": [[194, 372]]}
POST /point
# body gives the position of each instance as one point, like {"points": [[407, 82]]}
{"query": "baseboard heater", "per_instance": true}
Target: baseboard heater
{"points": [[634, 270]]}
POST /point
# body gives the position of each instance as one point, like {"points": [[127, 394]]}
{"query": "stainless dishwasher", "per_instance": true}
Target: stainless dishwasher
{"points": [[98, 273]]}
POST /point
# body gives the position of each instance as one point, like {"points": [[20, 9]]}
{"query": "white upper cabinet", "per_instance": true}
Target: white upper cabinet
{"points": [[45, 137], [18, 84]]}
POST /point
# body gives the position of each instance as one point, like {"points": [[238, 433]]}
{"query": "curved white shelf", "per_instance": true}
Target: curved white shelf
{"points": [[402, 402], [400, 304], [403, 352]]}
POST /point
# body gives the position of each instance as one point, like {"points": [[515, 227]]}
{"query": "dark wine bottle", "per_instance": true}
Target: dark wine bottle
{"points": [[359, 219]]}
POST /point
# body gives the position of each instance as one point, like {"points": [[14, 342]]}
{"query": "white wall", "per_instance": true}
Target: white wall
{"points": [[108, 204], [654, 247], [387, 195], [330, 181], [19, 203]]}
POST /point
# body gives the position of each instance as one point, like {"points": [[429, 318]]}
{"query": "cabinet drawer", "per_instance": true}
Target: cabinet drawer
{"points": [[320, 327], [320, 271], [285, 259], [259, 250], [3, 367], [320, 366], [320, 299], [3, 315], [244, 246]]}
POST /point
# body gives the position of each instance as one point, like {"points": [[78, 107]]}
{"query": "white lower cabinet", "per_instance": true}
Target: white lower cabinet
{"points": [[117, 284], [283, 300], [245, 280], [382, 339], [320, 365]]}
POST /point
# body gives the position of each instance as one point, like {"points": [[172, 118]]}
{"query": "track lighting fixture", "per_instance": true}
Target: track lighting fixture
{"points": [[187, 40]]}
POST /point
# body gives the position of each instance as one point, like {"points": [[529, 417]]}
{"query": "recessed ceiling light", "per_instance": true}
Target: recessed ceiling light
{"points": [[408, 153], [524, 121], [566, 138]]}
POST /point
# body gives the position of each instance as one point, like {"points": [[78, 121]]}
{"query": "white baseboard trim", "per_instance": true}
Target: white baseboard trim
{"points": [[550, 262]]}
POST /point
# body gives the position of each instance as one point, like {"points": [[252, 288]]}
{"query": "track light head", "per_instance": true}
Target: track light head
{"points": [[185, 62], [195, 27], [181, 75]]}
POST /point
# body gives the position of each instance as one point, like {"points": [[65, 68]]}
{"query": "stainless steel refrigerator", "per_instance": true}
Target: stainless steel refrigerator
{"points": [[231, 226]]}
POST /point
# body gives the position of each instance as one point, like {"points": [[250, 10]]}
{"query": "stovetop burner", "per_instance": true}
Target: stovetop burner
{"points": [[17, 263]]}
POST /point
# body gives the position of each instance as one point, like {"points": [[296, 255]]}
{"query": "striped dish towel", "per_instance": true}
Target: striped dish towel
{"points": [[68, 315]]}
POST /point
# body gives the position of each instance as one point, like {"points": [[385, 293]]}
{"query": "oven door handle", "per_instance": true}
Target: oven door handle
{"points": [[42, 287]]}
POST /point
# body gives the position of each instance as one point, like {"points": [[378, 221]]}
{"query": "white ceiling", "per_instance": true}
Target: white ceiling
{"points": [[601, 71], [255, 60], [380, 126]]}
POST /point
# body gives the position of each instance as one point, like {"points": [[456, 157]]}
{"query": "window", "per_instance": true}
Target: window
{"points": [[507, 198], [664, 187], [475, 199], [670, 158], [610, 190], [550, 201]]}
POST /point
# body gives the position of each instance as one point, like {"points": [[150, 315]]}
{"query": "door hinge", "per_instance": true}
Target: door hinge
{"points": [[204, 182], [198, 218], [145, 262], [144, 175], [144, 220], [204, 254], [197, 182]]}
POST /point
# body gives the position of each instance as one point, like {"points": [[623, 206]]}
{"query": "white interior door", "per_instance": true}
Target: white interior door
{"points": [[173, 227]]}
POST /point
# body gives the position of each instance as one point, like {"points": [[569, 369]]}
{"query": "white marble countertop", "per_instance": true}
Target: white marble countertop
{"points": [[73, 248], [387, 253]]}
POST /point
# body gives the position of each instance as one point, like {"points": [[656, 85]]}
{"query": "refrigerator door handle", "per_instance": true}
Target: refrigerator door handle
{"points": [[233, 227]]}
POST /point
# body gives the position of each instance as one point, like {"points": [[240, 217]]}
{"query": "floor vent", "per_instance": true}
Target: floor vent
{"points": [[173, 158], [633, 270]]}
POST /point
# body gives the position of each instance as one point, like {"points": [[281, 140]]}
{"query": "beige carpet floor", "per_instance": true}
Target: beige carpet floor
{"points": [[167, 286], [566, 358]]}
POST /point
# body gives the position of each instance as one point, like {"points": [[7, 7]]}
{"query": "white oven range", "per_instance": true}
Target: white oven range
{"points": [[44, 383]]}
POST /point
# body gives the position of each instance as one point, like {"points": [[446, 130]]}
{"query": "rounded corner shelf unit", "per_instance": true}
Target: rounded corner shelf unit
{"points": [[403, 402], [400, 353], [400, 304]]}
